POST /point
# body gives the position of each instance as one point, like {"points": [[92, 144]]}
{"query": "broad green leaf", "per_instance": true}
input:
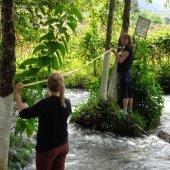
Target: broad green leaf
{"points": [[76, 12], [43, 52], [52, 46], [30, 127], [60, 60], [59, 9], [27, 74], [55, 64], [67, 36], [21, 76], [62, 49], [29, 132], [28, 62], [64, 43], [43, 74], [51, 21], [21, 126], [39, 47], [64, 31], [49, 36], [44, 61], [33, 71], [72, 23]]}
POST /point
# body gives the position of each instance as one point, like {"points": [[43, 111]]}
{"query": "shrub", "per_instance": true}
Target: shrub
{"points": [[163, 77], [20, 153], [107, 116]]}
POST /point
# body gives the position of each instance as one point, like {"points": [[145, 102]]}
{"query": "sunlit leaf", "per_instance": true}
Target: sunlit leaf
{"points": [[44, 61], [30, 127], [52, 46], [59, 9], [33, 71], [55, 64], [28, 62], [72, 23], [49, 36], [60, 60], [51, 21], [76, 12], [39, 47], [62, 49], [21, 126]]}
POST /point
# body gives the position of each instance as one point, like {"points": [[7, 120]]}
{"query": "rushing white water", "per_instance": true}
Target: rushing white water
{"points": [[93, 150]]}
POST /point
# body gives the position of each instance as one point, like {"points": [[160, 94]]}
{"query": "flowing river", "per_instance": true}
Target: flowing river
{"points": [[93, 150]]}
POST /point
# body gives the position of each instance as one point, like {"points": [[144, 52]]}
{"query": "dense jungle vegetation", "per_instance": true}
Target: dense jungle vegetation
{"points": [[65, 36]]}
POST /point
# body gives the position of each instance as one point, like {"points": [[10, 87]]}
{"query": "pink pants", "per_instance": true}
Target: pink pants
{"points": [[53, 159]]}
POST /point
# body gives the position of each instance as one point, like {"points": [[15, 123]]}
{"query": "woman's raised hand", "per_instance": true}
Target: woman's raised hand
{"points": [[19, 88]]}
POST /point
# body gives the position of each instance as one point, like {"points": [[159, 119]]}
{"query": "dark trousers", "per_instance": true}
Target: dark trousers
{"points": [[53, 159], [125, 84]]}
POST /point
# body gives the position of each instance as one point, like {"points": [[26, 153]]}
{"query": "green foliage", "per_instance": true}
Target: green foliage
{"points": [[163, 42], [80, 80], [159, 51], [20, 153], [107, 116], [90, 45], [90, 49], [150, 102], [163, 77], [56, 22], [94, 86], [29, 126]]}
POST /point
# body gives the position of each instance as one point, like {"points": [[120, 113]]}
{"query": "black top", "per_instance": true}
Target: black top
{"points": [[125, 66], [52, 129]]}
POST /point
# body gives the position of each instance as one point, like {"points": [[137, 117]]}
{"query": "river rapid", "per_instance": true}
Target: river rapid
{"points": [[93, 150]]}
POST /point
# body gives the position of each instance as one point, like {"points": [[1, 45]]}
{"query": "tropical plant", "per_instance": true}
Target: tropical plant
{"points": [[50, 51]]}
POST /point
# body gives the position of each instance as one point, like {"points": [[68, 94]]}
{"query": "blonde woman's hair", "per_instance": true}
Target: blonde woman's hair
{"points": [[56, 84]]}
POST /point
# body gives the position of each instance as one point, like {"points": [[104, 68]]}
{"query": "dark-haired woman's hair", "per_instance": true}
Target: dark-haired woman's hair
{"points": [[120, 45], [126, 35], [56, 84]]}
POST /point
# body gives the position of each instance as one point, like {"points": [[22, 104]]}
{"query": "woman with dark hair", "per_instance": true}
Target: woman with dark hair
{"points": [[125, 59], [52, 113]]}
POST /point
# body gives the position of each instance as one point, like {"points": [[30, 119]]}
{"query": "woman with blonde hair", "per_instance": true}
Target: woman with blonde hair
{"points": [[52, 113]]}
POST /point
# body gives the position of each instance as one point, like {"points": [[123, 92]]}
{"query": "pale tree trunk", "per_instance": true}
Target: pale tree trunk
{"points": [[104, 80], [112, 89], [7, 72]]}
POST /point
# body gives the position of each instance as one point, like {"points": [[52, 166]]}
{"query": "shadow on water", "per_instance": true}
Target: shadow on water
{"points": [[93, 150]]}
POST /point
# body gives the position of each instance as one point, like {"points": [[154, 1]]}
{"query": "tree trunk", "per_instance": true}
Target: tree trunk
{"points": [[126, 16], [104, 80], [7, 72]]}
